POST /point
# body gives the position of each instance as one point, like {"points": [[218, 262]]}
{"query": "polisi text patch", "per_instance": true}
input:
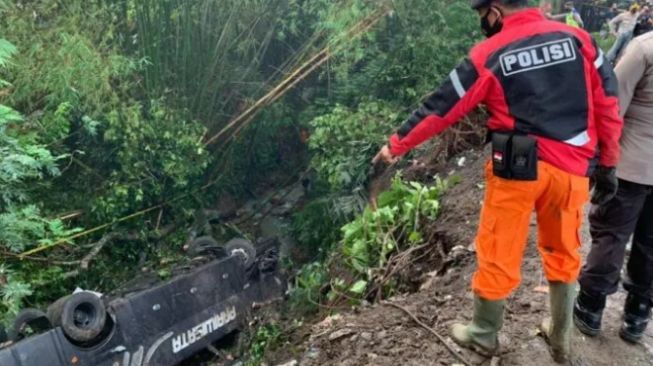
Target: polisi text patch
{"points": [[538, 56]]}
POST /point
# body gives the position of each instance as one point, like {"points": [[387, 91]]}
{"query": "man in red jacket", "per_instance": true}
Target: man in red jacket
{"points": [[554, 122]]}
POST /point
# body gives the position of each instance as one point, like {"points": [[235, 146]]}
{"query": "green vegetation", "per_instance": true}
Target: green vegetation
{"points": [[367, 243], [345, 140], [604, 42], [372, 236], [266, 337], [106, 108], [395, 66]]}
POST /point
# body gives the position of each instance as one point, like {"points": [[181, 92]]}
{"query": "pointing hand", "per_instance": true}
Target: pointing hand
{"points": [[385, 156]]}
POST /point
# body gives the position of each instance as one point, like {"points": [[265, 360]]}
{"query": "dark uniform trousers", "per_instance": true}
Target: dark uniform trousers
{"points": [[612, 224]]}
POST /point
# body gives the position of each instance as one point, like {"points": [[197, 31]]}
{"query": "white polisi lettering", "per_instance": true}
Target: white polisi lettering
{"points": [[187, 338], [538, 56]]}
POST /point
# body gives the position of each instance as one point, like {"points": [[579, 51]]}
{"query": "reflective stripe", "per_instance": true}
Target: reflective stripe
{"points": [[155, 346], [581, 140], [137, 360], [455, 80], [599, 59]]}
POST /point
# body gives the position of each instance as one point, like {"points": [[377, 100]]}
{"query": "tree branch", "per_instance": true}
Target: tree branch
{"points": [[97, 248], [431, 330]]}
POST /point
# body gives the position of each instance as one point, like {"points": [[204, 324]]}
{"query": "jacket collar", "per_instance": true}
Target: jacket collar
{"points": [[523, 16]]}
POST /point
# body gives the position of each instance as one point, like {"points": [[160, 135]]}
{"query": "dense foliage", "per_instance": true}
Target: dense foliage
{"points": [[345, 140], [367, 243], [106, 108]]}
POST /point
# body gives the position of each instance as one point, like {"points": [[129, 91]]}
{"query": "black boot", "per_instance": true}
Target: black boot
{"points": [[588, 311], [637, 313]]}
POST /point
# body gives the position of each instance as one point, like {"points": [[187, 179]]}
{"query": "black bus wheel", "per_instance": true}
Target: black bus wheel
{"points": [[28, 322], [83, 317], [242, 248], [55, 309], [206, 245]]}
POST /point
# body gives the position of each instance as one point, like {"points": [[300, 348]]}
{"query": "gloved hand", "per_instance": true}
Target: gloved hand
{"points": [[605, 185], [385, 156]]}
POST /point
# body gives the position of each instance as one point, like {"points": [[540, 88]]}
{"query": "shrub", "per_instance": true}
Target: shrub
{"points": [[344, 142]]}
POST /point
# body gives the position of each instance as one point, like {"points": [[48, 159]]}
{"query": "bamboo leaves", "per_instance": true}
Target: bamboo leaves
{"points": [[205, 51]]}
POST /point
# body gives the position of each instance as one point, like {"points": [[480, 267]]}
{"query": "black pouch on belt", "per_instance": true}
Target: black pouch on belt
{"points": [[501, 154], [523, 160], [514, 156]]}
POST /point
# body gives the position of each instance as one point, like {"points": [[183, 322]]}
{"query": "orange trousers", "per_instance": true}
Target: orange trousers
{"points": [[558, 198]]}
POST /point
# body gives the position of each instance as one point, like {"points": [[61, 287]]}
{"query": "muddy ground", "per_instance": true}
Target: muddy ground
{"points": [[382, 335]]}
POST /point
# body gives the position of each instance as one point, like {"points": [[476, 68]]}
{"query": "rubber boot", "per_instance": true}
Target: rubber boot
{"points": [[481, 335], [637, 312], [557, 328], [588, 311]]}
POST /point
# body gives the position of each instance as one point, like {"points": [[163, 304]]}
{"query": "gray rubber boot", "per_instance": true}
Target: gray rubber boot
{"points": [[557, 329], [481, 335]]}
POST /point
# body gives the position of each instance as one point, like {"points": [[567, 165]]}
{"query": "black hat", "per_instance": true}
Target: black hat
{"points": [[477, 4]]}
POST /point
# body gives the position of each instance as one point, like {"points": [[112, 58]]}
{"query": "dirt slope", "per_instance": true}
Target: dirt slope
{"points": [[382, 335]]}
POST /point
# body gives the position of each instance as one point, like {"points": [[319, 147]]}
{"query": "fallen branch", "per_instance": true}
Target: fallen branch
{"points": [[97, 248], [39, 260], [108, 238], [431, 330], [71, 215], [395, 264]]}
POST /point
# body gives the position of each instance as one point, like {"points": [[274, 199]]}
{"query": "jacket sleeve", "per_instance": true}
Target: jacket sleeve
{"points": [[630, 71], [606, 109], [460, 92]]}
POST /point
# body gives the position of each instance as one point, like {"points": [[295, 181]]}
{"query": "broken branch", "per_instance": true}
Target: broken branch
{"points": [[431, 330]]}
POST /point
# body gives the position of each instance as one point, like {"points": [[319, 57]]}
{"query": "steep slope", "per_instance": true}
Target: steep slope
{"points": [[383, 335]]}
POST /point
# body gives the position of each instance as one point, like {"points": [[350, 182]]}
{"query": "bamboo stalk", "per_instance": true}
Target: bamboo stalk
{"points": [[298, 75]]}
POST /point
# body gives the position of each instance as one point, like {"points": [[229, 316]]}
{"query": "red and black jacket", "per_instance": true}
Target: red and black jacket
{"points": [[537, 77]]}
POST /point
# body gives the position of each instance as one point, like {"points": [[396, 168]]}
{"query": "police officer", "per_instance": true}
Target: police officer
{"points": [[629, 213], [572, 18], [552, 102]]}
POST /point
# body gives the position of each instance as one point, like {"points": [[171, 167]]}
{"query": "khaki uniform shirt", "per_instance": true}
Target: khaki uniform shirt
{"points": [[635, 74]]}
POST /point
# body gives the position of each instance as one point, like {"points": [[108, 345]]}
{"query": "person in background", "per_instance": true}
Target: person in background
{"points": [[630, 211], [571, 17], [622, 27], [546, 8], [644, 22], [614, 10]]}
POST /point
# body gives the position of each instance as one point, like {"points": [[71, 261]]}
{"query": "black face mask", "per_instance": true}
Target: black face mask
{"points": [[490, 30]]}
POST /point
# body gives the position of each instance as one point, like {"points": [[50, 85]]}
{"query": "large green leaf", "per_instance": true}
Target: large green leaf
{"points": [[7, 50]]}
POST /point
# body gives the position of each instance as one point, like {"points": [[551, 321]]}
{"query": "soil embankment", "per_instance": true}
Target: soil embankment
{"points": [[383, 335]]}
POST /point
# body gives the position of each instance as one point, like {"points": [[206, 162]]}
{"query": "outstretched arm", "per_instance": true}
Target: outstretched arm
{"points": [[460, 92]]}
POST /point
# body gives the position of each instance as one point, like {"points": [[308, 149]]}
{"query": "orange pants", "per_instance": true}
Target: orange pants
{"points": [[558, 198]]}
